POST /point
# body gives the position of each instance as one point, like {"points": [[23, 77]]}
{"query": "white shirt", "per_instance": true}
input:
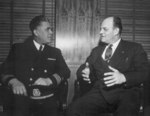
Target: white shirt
{"points": [[37, 45], [114, 46]]}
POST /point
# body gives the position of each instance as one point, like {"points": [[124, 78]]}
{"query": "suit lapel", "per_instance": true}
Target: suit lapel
{"points": [[99, 53], [100, 65], [46, 51], [118, 55], [101, 49]]}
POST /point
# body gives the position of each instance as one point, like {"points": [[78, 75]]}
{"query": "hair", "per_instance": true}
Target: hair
{"points": [[36, 21], [117, 23]]}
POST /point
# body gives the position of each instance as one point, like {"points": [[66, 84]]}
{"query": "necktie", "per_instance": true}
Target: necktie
{"points": [[40, 49], [108, 53]]}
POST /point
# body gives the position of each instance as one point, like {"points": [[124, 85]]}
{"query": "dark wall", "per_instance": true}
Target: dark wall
{"points": [[15, 16]]}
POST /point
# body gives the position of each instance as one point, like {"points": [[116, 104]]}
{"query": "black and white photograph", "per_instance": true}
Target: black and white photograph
{"points": [[74, 57]]}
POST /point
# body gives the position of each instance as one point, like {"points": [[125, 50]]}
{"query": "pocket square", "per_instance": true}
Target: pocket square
{"points": [[51, 59]]}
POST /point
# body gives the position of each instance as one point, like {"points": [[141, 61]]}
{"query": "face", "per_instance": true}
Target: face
{"points": [[107, 31], [43, 33]]}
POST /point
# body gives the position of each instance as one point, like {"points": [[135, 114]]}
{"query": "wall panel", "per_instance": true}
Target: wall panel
{"points": [[5, 24], [15, 16], [142, 24]]}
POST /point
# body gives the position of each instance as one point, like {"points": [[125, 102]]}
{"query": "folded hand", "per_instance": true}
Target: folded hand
{"points": [[114, 77], [17, 87], [43, 81]]}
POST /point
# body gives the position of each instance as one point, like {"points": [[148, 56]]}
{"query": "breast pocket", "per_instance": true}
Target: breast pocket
{"points": [[125, 64], [51, 63]]}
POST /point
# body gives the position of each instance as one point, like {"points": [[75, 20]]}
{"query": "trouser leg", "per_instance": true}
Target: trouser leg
{"points": [[90, 104], [129, 104], [46, 107], [21, 106]]}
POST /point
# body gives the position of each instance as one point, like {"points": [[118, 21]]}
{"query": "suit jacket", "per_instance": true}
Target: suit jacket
{"points": [[25, 63], [129, 58]]}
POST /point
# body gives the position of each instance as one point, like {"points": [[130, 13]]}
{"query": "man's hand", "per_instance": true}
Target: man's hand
{"points": [[86, 73], [43, 81], [114, 77], [17, 87]]}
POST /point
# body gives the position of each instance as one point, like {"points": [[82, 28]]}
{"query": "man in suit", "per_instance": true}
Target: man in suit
{"points": [[33, 70], [116, 69]]}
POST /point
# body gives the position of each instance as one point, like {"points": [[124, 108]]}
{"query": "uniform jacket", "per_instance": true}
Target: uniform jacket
{"points": [[26, 64], [129, 58]]}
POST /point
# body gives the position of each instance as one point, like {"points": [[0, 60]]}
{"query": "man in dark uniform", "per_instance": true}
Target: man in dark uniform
{"points": [[33, 70], [116, 70]]}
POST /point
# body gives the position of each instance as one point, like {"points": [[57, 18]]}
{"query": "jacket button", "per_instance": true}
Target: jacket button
{"points": [[45, 71], [31, 79], [32, 69]]}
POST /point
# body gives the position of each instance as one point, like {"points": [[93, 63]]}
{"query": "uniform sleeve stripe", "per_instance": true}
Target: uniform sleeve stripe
{"points": [[57, 77]]}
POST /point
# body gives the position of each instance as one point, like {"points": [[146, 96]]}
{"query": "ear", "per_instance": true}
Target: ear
{"points": [[35, 32], [116, 31]]}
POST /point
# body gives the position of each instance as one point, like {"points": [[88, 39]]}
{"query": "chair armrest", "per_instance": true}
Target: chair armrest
{"points": [[62, 94], [81, 87], [77, 91]]}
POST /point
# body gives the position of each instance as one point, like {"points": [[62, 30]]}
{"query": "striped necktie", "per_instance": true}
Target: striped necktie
{"points": [[108, 53]]}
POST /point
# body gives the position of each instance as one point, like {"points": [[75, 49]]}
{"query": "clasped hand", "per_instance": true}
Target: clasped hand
{"points": [[19, 88], [114, 77], [85, 75], [43, 81], [110, 78]]}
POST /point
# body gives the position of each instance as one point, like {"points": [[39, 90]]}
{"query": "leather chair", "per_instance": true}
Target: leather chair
{"points": [[6, 99], [82, 87]]}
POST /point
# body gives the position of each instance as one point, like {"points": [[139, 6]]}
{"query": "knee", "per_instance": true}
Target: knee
{"points": [[75, 108], [129, 109]]}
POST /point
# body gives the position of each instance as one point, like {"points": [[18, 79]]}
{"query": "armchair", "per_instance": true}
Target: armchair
{"points": [[82, 87], [6, 99]]}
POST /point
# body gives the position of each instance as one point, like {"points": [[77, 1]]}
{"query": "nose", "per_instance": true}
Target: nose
{"points": [[51, 31], [101, 31]]}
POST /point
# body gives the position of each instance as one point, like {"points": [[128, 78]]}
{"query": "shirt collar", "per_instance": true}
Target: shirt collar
{"points": [[114, 45], [37, 45]]}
